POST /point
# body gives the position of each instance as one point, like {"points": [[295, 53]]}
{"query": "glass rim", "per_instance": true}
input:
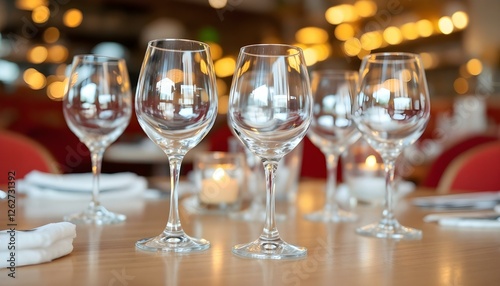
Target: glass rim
{"points": [[203, 46], [96, 58], [298, 50], [398, 57]]}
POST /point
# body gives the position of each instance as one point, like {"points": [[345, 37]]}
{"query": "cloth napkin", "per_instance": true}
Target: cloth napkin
{"points": [[123, 185], [42, 244]]}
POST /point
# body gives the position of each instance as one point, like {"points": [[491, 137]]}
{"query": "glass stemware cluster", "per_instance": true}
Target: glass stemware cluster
{"points": [[271, 108]]}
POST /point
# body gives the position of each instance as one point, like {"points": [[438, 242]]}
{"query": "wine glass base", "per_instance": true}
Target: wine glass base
{"points": [[275, 249], [98, 215], [390, 230], [172, 243], [332, 216]]}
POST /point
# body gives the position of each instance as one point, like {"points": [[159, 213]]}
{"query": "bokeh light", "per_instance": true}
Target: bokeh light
{"points": [[73, 18]]}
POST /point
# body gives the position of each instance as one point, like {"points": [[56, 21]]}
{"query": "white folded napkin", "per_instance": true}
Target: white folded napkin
{"points": [[40, 237], [77, 186], [42, 244]]}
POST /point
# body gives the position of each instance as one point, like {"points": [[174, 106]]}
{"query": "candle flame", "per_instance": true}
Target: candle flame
{"points": [[219, 174], [371, 161]]}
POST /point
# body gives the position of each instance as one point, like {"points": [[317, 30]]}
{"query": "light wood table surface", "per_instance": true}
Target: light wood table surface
{"points": [[336, 255]]}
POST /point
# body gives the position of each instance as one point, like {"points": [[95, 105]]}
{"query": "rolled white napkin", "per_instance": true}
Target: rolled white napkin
{"points": [[39, 237], [77, 186], [39, 245], [36, 255]]}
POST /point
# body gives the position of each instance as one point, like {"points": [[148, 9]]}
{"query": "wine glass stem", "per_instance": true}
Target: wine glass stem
{"points": [[96, 156], [389, 169], [331, 182], [174, 223], [270, 231]]}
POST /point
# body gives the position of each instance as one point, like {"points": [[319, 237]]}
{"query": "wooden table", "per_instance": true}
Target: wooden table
{"points": [[336, 255]]}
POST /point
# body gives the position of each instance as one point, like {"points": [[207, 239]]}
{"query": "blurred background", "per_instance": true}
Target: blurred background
{"points": [[459, 43]]}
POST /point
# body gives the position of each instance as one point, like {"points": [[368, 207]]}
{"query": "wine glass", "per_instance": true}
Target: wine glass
{"points": [[391, 111], [97, 107], [270, 105], [332, 131], [176, 105]]}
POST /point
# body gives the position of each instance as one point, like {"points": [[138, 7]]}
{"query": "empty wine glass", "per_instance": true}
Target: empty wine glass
{"points": [[391, 111], [333, 131], [176, 105], [97, 107], [270, 108]]}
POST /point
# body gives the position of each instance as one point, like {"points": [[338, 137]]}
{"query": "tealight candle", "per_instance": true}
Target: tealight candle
{"points": [[220, 188], [363, 172], [220, 179]]}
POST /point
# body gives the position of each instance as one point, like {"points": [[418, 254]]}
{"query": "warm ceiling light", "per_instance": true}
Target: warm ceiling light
{"points": [[72, 18], [445, 25], [392, 35], [310, 57], [352, 47], [461, 85], [55, 90], [40, 14], [371, 40], [341, 13], [30, 4], [344, 31], [215, 50], [460, 19], [334, 16], [223, 104], [35, 79], [311, 36], [474, 67], [425, 28], [37, 54], [322, 51], [58, 54], [51, 35], [224, 67], [429, 61], [409, 31], [350, 14], [365, 8]]}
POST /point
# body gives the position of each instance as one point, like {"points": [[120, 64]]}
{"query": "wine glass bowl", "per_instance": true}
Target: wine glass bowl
{"points": [[97, 108], [176, 106], [333, 131], [269, 110], [392, 110]]}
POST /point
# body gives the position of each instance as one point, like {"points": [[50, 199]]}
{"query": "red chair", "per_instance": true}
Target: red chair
{"points": [[478, 169], [441, 162], [22, 155]]}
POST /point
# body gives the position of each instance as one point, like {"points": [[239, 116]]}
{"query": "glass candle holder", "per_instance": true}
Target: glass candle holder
{"points": [[363, 172], [220, 180]]}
